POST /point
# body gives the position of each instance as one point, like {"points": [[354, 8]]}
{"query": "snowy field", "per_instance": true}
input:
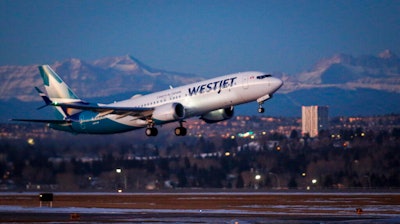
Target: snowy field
{"points": [[205, 207]]}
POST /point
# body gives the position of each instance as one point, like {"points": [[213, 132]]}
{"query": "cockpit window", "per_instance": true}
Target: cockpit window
{"points": [[263, 76]]}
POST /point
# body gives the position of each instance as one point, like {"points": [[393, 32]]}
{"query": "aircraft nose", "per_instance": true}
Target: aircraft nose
{"points": [[276, 83]]}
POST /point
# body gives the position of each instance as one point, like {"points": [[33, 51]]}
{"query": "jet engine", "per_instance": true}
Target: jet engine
{"points": [[169, 112], [218, 115]]}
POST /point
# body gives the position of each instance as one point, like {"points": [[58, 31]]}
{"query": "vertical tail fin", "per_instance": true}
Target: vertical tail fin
{"points": [[57, 90]]}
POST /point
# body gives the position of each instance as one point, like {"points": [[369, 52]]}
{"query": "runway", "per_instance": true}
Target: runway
{"points": [[202, 207]]}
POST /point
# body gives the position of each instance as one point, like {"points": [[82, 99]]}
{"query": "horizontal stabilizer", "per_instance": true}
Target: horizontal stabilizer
{"points": [[44, 121], [45, 98]]}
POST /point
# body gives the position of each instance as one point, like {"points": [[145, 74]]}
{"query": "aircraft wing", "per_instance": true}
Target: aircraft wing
{"points": [[105, 109], [102, 110]]}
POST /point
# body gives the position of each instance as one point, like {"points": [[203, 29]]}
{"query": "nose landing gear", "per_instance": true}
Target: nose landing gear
{"points": [[260, 109], [261, 101]]}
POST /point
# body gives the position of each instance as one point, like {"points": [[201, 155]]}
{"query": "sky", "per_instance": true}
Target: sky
{"points": [[204, 37]]}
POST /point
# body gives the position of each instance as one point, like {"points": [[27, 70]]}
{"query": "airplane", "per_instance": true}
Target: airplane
{"points": [[211, 100]]}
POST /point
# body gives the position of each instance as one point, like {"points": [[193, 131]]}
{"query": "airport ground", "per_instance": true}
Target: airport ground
{"points": [[202, 207]]}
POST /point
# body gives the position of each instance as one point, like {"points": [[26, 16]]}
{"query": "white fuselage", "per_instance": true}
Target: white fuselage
{"points": [[204, 96]]}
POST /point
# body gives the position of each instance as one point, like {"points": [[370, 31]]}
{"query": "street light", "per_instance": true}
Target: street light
{"points": [[314, 181], [125, 182], [257, 179]]}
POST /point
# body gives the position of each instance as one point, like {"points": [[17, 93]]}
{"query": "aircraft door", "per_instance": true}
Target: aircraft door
{"points": [[245, 81]]}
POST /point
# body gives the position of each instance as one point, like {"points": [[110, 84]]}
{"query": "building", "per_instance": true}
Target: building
{"points": [[314, 119]]}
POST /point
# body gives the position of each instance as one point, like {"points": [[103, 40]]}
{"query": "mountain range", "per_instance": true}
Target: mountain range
{"points": [[349, 85]]}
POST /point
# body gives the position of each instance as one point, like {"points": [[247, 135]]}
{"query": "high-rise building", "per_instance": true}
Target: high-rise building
{"points": [[314, 119]]}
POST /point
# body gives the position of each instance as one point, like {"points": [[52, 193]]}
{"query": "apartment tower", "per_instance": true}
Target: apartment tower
{"points": [[314, 119]]}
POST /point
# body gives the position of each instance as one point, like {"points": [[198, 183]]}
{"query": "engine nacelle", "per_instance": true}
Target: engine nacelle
{"points": [[218, 115], [169, 112]]}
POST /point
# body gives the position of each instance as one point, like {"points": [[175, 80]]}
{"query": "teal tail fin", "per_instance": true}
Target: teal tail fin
{"points": [[56, 88], [57, 91]]}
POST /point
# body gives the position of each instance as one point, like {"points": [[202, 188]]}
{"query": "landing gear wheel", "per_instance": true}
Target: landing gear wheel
{"points": [[151, 131], [180, 131], [261, 110]]}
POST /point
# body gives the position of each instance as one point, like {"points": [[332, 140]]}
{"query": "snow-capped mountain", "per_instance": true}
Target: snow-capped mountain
{"points": [[349, 85], [102, 77], [380, 72]]}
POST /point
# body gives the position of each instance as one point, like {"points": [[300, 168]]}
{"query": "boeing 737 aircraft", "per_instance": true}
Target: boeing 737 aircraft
{"points": [[211, 100]]}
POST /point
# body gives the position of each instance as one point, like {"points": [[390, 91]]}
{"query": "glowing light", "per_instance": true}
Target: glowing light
{"points": [[227, 153], [246, 134], [314, 181], [31, 141], [257, 177]]}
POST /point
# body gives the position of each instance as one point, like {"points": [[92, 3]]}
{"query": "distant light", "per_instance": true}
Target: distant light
{"points": [[314, 181], [118, 170], [303, 174], [257, 177], [31, 141], [119, 190], [278, 148], [233, 137], [362, 134], [247, 134], [227, 153]]}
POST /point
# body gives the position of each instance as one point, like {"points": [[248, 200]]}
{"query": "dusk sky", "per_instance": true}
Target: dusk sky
{"points": [[203, 37]]}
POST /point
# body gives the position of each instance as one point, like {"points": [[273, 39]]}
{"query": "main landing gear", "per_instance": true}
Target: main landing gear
{"points": [[179, 131], [151, 131]]}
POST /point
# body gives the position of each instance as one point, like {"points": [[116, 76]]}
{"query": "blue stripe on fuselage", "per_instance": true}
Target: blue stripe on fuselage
{"points": [[86, 122]]}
